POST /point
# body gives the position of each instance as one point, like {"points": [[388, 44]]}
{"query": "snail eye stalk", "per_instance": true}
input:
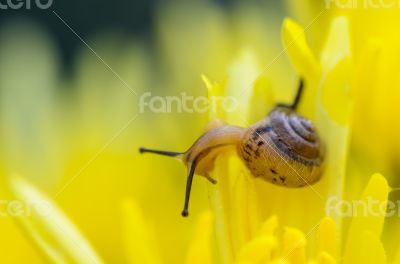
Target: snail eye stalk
{"points": [[297, 99], [192, 168], [159, 152], [185, 211]]}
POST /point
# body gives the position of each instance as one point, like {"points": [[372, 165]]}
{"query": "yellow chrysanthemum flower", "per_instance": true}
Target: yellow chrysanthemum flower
{"points": [[347, 69], [242, 202]]}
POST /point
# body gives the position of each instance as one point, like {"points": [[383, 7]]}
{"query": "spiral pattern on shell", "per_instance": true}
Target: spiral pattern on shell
{"points": [[295, 136], [284, 149]]}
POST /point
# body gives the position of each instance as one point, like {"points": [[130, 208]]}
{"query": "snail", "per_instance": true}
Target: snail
{"points": [[283, 148]]}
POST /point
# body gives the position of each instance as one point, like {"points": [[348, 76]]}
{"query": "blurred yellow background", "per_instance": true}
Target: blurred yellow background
{"points": [[72, 77], [70, 117]]}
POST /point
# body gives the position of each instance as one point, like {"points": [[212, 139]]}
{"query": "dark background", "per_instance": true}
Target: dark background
{"points": [[90, 16]]}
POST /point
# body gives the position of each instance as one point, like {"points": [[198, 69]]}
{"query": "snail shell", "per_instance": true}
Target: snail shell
{"points": [[283, 148]]}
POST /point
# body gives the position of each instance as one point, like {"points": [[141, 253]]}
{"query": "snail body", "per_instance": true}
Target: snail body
{"points": [[283, 148]]}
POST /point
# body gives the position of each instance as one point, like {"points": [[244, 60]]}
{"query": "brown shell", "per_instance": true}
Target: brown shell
{"points": [[284, 149]]}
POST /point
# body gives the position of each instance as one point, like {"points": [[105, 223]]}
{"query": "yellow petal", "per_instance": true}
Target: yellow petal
{"points": [[200, 247], [215, 92], [220, 202], [325, 258], [242, 75], [336, 88], [294, 244], [366, 79], [333, 122], [261, 101], [367, 223], [337, 45], [49, 228], [375, 195], [336, 69], [367, 249], [303, 59], [243, 203], [269, 226], [141, 246], [397, 257], [280, 261], [315, 14], [327, 237], [300, 54], [257, 250]]}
